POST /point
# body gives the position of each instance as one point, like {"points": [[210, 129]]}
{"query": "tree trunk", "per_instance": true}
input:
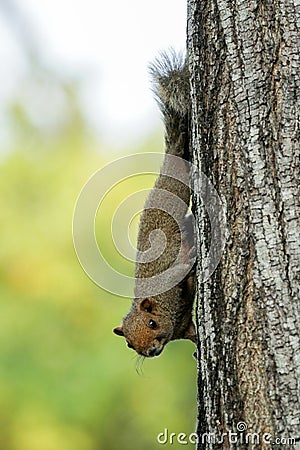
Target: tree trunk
{"points": [[245, 84]]}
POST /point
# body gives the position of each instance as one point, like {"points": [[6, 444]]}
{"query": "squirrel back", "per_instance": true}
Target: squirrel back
{"points": [[164, 224]]}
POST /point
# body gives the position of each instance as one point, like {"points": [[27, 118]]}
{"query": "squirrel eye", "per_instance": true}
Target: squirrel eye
{"points": [[152, 324]]}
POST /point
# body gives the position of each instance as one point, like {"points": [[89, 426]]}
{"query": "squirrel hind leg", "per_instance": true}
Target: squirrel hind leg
{"points": [[189, 236]]}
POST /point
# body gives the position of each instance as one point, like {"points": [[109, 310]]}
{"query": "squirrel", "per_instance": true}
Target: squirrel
{"points": [[155, 320]]}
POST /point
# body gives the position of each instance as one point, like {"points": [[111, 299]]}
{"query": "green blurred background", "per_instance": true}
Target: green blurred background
{"points": [[66, 382]]}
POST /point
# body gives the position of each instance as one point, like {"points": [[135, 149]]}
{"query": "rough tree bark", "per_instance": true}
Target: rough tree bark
{"points": [[245, 83]]}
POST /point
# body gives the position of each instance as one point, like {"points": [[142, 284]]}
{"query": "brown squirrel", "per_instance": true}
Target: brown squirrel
{"points": [[155, 320]]}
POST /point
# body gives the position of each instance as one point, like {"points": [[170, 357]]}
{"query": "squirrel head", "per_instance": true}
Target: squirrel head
{"points": [[145, 329]]}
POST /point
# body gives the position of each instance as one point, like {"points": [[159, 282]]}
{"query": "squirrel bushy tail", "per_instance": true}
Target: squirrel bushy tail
{"points": [[170, 78]]}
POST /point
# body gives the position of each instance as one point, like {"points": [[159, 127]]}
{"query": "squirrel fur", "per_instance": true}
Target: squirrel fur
{"points": [[155, 320]]}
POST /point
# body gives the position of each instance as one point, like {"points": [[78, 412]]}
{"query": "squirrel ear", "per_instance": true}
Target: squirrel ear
{"points": [[118, 331], [147, 305]]}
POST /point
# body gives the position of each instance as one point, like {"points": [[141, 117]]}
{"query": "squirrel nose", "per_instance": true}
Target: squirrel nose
{"points": [[154, 351]]}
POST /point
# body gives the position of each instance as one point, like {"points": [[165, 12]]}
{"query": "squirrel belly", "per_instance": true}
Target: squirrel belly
{"points": [[155, 320]]}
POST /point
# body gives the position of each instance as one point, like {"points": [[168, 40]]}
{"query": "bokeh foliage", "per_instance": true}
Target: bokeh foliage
{"points": [[66, 382]]}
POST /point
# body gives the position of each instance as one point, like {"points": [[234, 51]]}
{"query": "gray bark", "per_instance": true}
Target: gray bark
{"points": [[245, 84]]}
